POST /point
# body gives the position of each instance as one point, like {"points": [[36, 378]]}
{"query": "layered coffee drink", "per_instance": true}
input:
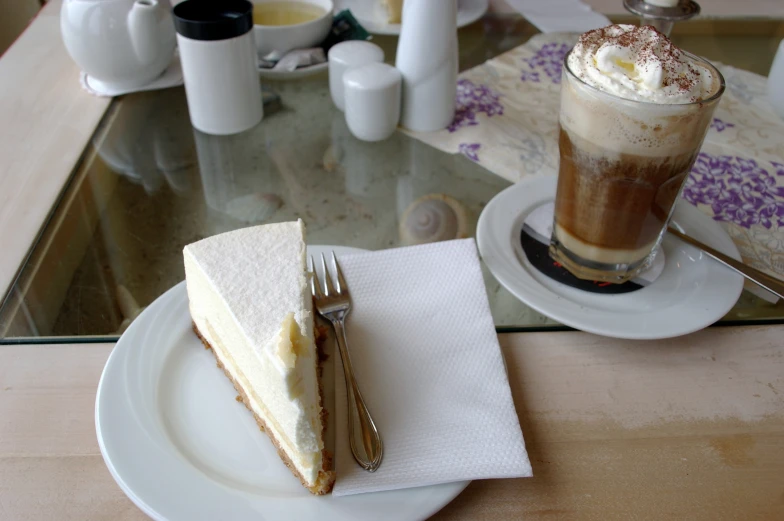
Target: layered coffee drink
{"points": [[634, 112]]}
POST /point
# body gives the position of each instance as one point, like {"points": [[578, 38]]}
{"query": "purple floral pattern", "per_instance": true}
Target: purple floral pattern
{"points": [[473, 99], [720, 126], [548, 59], [525, 83], [470, 150], [738, 190]]}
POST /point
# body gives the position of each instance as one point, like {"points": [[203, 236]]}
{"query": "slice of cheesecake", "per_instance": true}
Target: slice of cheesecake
{"points": [[250, 303]]}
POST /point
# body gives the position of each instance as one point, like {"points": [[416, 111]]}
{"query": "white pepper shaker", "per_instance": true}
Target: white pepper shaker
{"points": [[372, 100], [219, 64], [346, 56]]}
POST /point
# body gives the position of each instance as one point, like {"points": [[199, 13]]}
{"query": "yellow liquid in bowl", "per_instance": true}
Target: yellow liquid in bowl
{"points": [[285, 13]]}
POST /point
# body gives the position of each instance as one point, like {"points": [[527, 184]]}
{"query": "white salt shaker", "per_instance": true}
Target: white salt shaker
{"points": [[372, 100], [427, 59], [219, 64], [346, 56], [776, 81]]}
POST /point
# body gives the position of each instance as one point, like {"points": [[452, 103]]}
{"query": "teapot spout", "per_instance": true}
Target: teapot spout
{"points": [[143, 26]]}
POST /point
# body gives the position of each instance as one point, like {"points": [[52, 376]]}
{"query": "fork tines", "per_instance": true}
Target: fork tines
{"points": [[328, 289]]}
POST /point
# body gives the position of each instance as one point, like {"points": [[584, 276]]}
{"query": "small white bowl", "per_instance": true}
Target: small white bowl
{"points": [[284, 38]]}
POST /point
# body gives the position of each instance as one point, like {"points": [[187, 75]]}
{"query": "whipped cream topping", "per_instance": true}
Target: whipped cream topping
{"points": [[640, 64]]}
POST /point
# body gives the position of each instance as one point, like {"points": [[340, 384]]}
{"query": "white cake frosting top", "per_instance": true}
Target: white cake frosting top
{"points": [[640, 64]]}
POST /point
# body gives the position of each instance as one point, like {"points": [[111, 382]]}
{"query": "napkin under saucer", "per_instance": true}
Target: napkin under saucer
{"points": [[427, 359]]}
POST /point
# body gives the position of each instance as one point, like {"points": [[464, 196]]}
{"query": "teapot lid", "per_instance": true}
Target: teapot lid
{"points": [[210, 20]]}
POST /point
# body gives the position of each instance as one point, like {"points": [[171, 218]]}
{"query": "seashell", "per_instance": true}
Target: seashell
{"points": [[433, 218]]}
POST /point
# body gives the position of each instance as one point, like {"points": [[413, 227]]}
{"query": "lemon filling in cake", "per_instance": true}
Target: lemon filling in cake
{"points": [[250, 303]]}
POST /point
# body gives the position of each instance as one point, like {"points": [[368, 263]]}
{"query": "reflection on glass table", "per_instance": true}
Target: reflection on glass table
{"points": [[152, 184], [148, 184]]}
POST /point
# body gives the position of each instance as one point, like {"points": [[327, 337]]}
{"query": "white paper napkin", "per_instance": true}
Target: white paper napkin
{"points": [[427, 359], [557, 16]]}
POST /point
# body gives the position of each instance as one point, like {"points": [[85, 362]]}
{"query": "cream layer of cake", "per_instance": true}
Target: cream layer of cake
{"points": [[250, 302]]}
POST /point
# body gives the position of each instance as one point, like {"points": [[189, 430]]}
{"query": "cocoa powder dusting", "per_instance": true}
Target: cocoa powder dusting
{"points": [[649, 46]]}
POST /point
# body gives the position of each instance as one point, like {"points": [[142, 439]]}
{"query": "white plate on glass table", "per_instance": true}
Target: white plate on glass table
{"points": [[181, 448], [371, 14], [692, 292]]}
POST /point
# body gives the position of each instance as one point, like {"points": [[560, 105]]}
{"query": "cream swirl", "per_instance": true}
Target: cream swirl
{"points": [[640, 64]]}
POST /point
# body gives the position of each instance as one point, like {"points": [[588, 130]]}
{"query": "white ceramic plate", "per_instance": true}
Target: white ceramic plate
{"points": [[371, 15], [692, 292], [302, 72], [181, 448]]}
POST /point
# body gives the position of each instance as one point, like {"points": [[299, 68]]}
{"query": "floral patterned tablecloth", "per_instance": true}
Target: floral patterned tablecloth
{"points": [[507, 121]]}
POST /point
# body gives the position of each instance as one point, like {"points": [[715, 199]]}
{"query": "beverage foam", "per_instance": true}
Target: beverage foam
{"points": [[640, 64], [616, 68]]}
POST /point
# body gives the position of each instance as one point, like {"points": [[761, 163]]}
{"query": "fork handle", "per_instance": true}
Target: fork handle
{"points": [[358, 412]]}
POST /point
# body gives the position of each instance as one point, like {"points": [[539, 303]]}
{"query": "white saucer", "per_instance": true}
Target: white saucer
{"points": [[302, 72], [692, 292], [370, 14], [181, 448]]}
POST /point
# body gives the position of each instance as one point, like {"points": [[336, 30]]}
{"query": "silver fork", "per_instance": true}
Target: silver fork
{"points": [[334, 304]]}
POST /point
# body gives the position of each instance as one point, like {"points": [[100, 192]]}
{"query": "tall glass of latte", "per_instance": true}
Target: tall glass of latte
{"points": [[634, 112]]}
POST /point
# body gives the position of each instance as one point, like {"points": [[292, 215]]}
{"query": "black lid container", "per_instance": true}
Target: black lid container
{"points": [[219, 64]]}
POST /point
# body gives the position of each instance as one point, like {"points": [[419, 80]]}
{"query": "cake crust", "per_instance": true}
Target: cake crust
{"points": [[326, 476]]}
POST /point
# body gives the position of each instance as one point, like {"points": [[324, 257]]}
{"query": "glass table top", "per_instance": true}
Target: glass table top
{"points": [[148, 184]]}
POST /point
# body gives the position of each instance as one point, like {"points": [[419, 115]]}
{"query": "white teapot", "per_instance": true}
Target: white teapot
{"points": [[121, 43]]}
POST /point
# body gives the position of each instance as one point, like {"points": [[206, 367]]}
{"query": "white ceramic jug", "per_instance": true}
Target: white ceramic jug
{"points": [[120, 43], [776, 81], [427, 59]]}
